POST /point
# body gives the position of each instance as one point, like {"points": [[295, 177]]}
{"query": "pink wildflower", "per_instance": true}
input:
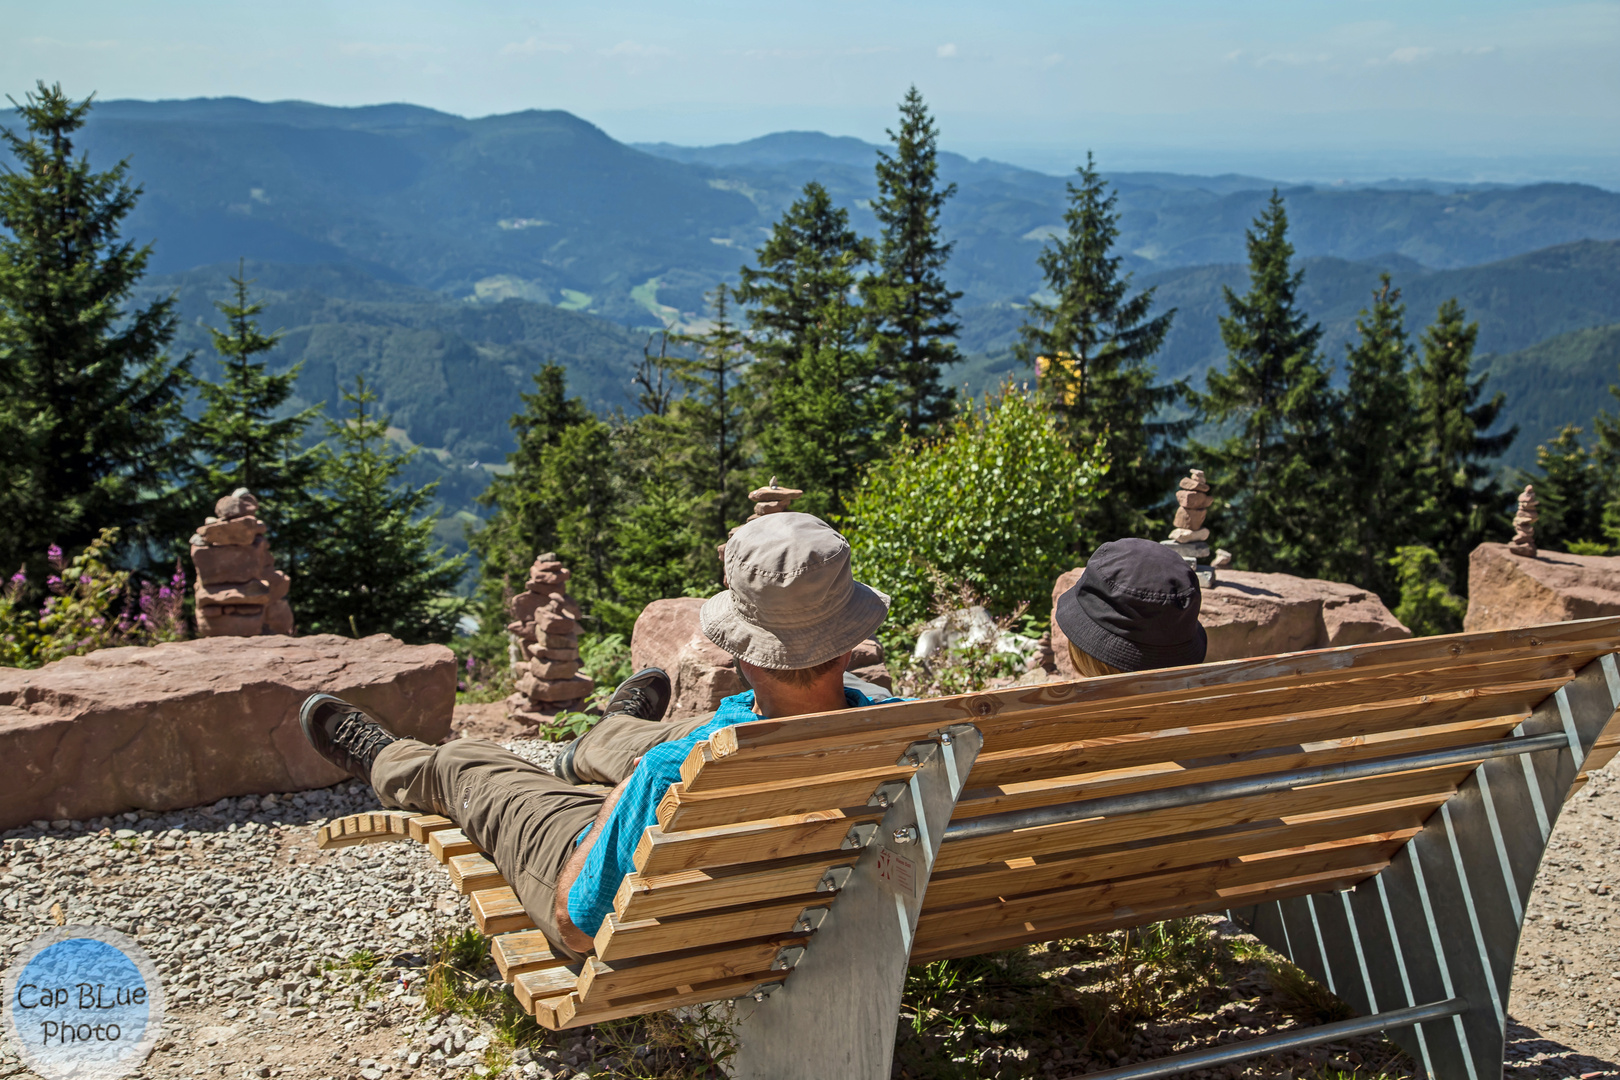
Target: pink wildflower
{"points": [[53, 555]]}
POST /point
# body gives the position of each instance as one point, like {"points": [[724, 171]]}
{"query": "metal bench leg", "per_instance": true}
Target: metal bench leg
{"points": [[837, 1015], [1443, 919]]}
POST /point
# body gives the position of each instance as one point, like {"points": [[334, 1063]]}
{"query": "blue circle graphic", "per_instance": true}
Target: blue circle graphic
{"points": [[86, 1004]]}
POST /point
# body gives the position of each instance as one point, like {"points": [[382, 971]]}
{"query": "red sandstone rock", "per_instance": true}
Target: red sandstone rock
{"points": [[241, 530], [239, 594], [232, 562], [189, 722], [668, 635], [1249, 614], [1507, 590]]}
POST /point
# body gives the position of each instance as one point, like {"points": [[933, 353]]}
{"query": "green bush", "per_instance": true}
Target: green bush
{"points": [[1427, 606], [990, 503]]}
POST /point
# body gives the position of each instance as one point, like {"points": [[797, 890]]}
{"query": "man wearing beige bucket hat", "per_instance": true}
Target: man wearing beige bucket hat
{"points": [[791, 615]]}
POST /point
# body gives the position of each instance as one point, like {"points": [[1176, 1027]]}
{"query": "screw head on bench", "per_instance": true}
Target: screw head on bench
{"points": [[906, 835]]}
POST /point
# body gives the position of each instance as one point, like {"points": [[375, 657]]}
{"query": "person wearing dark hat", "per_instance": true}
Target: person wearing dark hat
{"points": [[1135, 607], [791, 615]]}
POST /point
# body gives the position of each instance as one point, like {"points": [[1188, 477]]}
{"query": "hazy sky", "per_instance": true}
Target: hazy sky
{"points": [[1464, 89]]}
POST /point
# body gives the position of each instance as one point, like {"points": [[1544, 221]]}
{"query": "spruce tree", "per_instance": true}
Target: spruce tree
{"points": [[1569, 490], [523, 521], [239, 440], [1378, 500], [89, 401], [1093, 346], [1606, 457], [712, 423], [1274, 391], [1464, 498], [378, 570], [823, 410], [914, 305]]}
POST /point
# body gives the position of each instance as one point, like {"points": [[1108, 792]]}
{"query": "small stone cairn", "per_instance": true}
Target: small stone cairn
{"points": [[544, 644], [1524, 524], [769, 499], [239, 592], [1189, 537]]}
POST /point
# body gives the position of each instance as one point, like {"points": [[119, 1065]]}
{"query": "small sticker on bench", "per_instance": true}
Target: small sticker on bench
{"points": [[897, 873]]}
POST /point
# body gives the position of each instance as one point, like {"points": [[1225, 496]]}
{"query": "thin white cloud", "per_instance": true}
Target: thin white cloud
{"points": [[946, 51], [58, 43], [636, 48], [1411, 54], [532, 46], [1293, 59]]}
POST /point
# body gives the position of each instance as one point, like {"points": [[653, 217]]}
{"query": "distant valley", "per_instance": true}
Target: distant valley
{"points": [[446, 258]]}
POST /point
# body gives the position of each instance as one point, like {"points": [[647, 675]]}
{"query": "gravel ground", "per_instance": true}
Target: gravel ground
{"points": [[253, 930]]}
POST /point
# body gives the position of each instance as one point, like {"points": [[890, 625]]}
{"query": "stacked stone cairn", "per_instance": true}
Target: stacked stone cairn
{"points": [[239, 591], [1524, 524], [1189, 537], [769, 499], [544, 644]]}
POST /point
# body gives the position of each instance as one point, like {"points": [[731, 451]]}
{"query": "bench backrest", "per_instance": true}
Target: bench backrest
{"points": [[752, 843]]}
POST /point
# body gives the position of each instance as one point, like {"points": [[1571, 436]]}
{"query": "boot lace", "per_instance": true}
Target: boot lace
{"points": [[361, 738]]}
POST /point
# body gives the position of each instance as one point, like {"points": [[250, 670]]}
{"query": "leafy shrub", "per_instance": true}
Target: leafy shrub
{"points": [[990, 503], [90, 606]]}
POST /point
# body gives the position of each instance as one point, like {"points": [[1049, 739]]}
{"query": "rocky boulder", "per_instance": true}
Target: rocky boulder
{"points": [[1251, 614], [191, 722], [1506, 590]]}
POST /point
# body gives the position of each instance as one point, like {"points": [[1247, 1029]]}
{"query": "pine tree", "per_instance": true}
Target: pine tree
{"points": [[1377, 457], [914, 338], [822, 409], [810, 257], [239, 441], [378, 570], [89, 401], [1464, 500], [1606, 459], [1569, 490], [712, 422], [831, 411], [1093, 346], [1274, 389]]}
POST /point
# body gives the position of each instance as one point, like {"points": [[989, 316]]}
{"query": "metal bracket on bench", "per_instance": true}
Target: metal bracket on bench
{"points": [[837, 1016], [787, 959], [834, 878], [858, 836], [887, 793], [809, 919], [1443, 919]]}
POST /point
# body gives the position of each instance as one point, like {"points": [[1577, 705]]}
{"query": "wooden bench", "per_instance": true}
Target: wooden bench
{"points": [[1376, 812]]}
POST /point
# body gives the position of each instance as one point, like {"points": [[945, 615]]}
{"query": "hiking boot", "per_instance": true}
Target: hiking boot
{"points": [[644, 695], [343, 734]]}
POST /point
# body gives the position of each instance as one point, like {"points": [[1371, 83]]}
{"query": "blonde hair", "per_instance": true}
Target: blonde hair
{"points": [[1089, 666]]}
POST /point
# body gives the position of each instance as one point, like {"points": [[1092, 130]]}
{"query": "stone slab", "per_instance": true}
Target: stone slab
{"points": [[1506, 591], [187, 723]]}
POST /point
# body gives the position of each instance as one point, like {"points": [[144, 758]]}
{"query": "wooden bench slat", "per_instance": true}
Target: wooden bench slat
{"points": [[601, 981], [626, 940], [474, 871], [523, 951], [423, 824], [1171, 773], [532, 987], [1017, 876], [869, 738], [1332, 880], [1087, 904], [1170, 743], [1450, 661], [659, 852], [498, 911], [445, 843], [642, 896], [366, 828], [1340, 797], [570, 1013], [681, 809]]}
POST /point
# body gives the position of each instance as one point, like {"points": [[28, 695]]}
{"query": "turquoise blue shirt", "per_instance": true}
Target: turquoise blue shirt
{"points": [[613, 854]]}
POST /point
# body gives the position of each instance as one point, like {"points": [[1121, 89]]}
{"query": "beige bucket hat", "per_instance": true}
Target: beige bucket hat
{"points": [[790, 600]]}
